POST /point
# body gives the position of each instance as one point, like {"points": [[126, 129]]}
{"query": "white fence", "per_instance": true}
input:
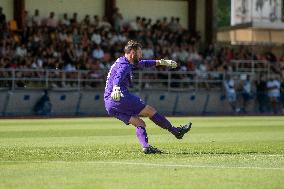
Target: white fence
{"points": [[79, 80]]}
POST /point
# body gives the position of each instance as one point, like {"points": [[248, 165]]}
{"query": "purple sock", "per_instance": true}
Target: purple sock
{"points": [[142, 136], [161, 121]]}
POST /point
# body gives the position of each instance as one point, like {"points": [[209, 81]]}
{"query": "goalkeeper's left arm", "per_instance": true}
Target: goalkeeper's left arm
{"points": [[152, 63]]}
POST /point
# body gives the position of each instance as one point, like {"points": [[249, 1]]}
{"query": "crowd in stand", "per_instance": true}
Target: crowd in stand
{"points": [[94, 43]]}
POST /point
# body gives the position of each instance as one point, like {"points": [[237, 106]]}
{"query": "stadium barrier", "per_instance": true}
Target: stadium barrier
{"points": [[90, 103], [80, 93], [64, 103], [3, 100], [191, 103], [21, 103]]}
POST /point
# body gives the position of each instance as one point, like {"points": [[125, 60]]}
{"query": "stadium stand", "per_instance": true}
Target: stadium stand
{"points": [[52, 53]]}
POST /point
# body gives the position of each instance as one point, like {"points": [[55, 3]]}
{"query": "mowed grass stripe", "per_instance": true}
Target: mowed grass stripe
{"points": [[197, 128], [132, 151], [99, 122], [163, 165]]}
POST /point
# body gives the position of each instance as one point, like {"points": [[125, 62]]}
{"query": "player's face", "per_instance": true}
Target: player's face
{"points": [[137, 55]]}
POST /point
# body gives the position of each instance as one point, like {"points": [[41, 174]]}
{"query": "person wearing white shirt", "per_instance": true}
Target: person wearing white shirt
{"points": [[51, 21], [21, 51], [104, 24], [273, 86], [246, 92], [183, 55], [231, 96], [148, 52], [65, 21], [36, 19], [98, 53], [96, 38]]}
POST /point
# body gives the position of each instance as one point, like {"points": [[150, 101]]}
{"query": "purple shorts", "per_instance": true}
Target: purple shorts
{"points": [[129, 105]]}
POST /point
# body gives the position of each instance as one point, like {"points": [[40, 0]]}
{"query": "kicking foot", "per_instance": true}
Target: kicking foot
{"points": [[151, 150], [183, 130]]}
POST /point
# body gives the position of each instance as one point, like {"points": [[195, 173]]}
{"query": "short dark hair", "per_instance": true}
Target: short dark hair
{"points": [[132, 45]]}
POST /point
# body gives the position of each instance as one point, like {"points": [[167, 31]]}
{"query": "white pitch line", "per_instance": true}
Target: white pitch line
{"points": [[153, 164]]}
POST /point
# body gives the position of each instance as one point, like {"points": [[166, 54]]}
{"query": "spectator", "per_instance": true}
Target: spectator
{"points": [[98, 53], [36, 19], [74, 19], [96, 37], [21, 51], [148, 52], [231, 96], [117, 20], [2, 18], [51, 22], [183, 55], [27, 20], [65, 21], [43, 105], [261, 94], [69, 58], [96, 21], [135, 25], [164, 24], [273, 87], [76, 36], [172, 25], [246, 92], [104, 24], [87, 20], [178, 25]]}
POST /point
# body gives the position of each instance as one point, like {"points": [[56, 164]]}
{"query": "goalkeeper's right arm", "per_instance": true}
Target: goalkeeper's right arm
{"points": [[116, 93]]}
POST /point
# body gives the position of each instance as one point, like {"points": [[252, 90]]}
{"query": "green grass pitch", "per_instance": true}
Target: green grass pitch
{"points": [[219, 152]]}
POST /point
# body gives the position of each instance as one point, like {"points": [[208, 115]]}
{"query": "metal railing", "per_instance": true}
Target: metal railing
{"points": [[143, 80], [254, 66]]}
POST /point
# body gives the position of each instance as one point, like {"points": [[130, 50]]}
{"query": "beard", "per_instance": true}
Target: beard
{"points": [[136, 59]]}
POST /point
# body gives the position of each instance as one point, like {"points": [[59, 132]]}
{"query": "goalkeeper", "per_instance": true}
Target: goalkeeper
{"points": [[123, 105]]}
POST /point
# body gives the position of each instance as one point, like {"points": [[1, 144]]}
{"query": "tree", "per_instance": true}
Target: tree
{"points": [[224, 13]]}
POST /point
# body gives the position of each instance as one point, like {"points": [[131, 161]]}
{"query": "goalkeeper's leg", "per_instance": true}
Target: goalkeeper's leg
{"points": [[142, 135], [140, 131], [162, 122]]}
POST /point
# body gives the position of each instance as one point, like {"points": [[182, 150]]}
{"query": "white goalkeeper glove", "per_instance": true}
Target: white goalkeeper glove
{"points": [[168, 63], [116, 93]]}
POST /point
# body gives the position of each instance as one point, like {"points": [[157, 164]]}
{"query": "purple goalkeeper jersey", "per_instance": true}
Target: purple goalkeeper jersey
{"points": [[120, 74]]}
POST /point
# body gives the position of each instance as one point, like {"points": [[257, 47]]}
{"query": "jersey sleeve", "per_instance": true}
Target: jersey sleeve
{"points": [[120, 75], [146, 63]]}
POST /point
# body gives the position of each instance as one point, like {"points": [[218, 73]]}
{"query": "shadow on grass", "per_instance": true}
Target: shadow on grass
{"points": [[214, 153]]}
